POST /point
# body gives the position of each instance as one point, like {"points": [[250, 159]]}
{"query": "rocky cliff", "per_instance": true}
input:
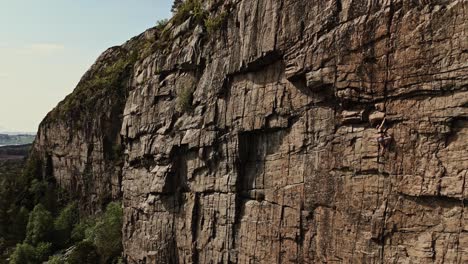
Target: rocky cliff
{"points": [[79, 140], [244, 131]]}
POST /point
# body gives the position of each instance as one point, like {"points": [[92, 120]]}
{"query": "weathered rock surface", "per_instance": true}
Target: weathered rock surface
{"points": [[275, 159], [79, 140]]}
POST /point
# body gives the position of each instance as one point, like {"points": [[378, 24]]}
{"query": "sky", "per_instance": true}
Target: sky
{"points": [[47, 45]]}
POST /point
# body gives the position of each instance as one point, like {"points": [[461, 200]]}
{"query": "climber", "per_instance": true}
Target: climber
{"points": [[383, 138]]}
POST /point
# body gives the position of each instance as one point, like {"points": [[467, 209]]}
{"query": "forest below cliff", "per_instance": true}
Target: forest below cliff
{"points": [[40, 222]]}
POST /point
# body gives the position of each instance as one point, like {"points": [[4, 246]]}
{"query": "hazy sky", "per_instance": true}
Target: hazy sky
{"points": [[47, 45]]}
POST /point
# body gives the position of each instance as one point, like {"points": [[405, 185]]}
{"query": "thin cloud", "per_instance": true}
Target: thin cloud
{"points": [[39, 49], [46, 47]]}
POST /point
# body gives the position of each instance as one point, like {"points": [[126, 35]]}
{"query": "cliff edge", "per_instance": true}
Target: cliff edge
{"points": [[244, 131]]}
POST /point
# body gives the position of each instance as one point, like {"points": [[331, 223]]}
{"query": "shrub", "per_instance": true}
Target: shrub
{"points": [[19, 221], [163, 42], [146, 49], [198, 13], [84, 253], [55, 260], [184, 99], [37, 189], [64, 224], [213, 24], [28, 254], [117, 152], [190, 8], [160, 24], [84, 230], [67, 217], [108, 232], [175, 5], [39, 226], [108, 80], [23, 254], [32, 170], [43, 250]]}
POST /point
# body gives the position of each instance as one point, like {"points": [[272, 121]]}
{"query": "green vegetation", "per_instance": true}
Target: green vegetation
{"points": [[39, 228], [23, 190], [107, 81], [184, 98], [108, 235], [160, 24], [91, 240], [55, 260], [214, 24], [37, 223], [67, 219], [190, 8], [146, 49], [84, 252], [175, 5], [193, 10], [17, 198], [24, 254], [184, 10]]}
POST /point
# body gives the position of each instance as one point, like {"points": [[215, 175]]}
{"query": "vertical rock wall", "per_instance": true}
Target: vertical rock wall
{"points": [[276, 161], [256, 142]]}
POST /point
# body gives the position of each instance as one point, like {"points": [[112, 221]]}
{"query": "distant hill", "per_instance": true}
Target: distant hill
{"points": [[19, 139]]}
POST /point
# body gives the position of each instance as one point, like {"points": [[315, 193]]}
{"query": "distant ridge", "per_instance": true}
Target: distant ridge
{"points": [[7, 139]]}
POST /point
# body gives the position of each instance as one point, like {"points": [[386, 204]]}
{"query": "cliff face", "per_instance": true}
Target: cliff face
{"points": [[79, 140], [250, 137]]}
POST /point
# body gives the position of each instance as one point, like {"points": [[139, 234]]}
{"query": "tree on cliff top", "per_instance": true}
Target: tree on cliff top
{"points": [[176, 5]]}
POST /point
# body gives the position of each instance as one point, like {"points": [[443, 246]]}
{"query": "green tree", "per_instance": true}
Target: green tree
{"points": [[39, 227], [55, 260], [108, 233], [160, 24], [64, 224], [19, 220], [23, 254], [43, 250], [84, 230], [28, 254], [84, 253], [37, 189], [176, 5]]}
